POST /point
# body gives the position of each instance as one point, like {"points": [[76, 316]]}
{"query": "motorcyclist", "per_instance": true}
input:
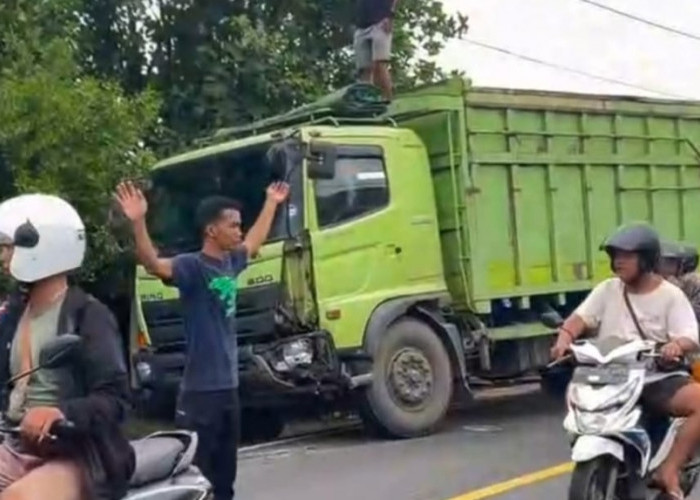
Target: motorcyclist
{"points": [[690, 258], [44, 240], [639, 303], [678, 264]]}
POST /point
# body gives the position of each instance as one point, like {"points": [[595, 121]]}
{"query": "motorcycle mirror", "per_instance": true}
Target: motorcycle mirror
{"points": [[56, 353], [60, 351], [552, 319]]}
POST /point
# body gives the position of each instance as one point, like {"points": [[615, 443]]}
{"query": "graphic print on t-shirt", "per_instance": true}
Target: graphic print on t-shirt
{"points": [[225, 288]]}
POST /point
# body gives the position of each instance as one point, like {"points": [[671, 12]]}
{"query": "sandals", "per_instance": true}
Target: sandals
{"points": [[655, 483]]}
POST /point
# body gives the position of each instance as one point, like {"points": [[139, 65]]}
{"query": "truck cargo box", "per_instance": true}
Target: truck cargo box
{"points": [[528, 184]]}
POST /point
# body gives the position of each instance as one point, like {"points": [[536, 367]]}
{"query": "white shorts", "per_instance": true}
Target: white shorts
{"points": [[372, 44]]}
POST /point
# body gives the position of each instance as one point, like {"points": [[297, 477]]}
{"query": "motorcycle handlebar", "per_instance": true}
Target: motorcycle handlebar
{"points": [[60, 428], [652, 353]]}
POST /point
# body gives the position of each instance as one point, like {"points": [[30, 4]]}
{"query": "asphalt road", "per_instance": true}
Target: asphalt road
{"points": [[480, 449]]}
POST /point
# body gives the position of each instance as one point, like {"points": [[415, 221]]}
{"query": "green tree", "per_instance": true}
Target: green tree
{"points": [[227, 62], [63, 132]]}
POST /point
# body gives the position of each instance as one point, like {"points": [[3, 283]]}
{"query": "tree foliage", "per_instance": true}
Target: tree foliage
{"points": [[82, 82], [227, 62], [61, 131]]}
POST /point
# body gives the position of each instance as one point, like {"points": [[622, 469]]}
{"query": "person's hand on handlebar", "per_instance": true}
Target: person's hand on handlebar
{"points": [[36, 424], [562, 345], [672, 351]]}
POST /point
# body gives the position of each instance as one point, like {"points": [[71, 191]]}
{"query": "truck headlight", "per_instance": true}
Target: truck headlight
{"points": [[293, 354]]}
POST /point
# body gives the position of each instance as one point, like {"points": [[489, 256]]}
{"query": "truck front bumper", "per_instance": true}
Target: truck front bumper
{"points": [[305, 364]]}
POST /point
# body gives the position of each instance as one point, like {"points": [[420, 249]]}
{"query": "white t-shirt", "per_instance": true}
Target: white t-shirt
{"points": [[664, 313]]}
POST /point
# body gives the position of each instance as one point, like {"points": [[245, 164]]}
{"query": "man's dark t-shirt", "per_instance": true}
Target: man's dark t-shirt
{"points": [[371, 12], [208, 289]]}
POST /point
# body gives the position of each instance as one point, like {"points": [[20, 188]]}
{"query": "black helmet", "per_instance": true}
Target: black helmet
{"points": [[638, 237], [671, 250], [689, 258]]}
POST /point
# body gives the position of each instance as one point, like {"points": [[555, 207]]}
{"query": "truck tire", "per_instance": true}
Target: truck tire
{"points": [[412, 382]]}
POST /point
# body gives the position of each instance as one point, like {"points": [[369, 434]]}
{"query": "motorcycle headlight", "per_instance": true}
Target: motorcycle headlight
{"points": [[592, 422], [589, 398], [581, 422]]}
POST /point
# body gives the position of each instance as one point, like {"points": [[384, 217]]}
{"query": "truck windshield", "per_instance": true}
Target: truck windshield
{"points": [[177, 191]]}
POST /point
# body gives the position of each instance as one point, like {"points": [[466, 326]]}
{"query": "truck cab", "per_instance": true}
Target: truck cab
{"points": [[421, 244], [359, 230]]}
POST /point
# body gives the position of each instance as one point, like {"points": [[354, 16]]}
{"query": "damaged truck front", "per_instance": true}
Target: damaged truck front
{"points": [[286, 359]]}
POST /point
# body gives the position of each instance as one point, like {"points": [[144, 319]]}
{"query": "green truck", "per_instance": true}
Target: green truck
{"points": [[421, 243]]}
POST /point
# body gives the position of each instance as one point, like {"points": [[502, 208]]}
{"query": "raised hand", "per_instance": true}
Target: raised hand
{"points": [[132, 201], [277, 192]]}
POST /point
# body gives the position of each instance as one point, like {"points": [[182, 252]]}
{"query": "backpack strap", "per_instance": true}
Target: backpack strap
{"points": [[633, 314]]}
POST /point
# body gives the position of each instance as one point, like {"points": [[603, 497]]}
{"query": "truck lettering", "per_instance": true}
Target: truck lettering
{"points": [[259, 280], [151, 297]]}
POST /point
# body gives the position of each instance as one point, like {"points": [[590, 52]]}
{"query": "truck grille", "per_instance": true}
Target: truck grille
{"points": [[255, 319]]}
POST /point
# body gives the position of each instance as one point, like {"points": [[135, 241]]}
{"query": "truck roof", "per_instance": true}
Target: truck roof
{"points": [[361, 105]]}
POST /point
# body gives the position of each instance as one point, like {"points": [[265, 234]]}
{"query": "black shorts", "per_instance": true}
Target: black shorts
{"points": [[657, 396]]}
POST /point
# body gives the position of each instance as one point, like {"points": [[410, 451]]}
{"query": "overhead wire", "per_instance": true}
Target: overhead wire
{"points": [[642, 20], [568, 69]]}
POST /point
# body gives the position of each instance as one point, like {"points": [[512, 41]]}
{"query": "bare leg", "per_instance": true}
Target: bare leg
{"points": [[686, 403], [57, 480], [382, 78], [14, 466]]}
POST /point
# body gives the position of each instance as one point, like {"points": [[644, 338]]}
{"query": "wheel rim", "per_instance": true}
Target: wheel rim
{"points": [[410, 378]]}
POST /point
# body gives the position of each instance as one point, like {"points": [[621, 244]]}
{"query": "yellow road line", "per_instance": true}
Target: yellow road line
{"points": [[517, 482]]}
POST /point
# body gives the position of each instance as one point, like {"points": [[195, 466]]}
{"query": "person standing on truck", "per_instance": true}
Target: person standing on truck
{"points": [[640, 304], [373, 38], [208, 402]]}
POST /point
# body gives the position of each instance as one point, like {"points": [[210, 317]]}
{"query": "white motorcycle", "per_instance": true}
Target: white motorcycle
{"points": [[616, 447], [164, 460]]}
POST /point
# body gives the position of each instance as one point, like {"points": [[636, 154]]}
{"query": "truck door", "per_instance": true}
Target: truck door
{"points": [[356, 235]]}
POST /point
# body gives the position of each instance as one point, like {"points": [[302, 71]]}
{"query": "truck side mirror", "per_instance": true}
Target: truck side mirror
{"points": [[321, 160], [276, 159]]}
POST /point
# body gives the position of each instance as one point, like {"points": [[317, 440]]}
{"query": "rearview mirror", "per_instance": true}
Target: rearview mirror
{"points": [[59, 351], [321, 160], [552, 319], [276, 159]]}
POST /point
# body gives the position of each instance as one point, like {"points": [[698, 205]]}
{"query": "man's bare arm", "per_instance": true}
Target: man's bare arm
{"points": [[147, 254], [134, 205], [276, 194], [688, 346], [574, 327]]}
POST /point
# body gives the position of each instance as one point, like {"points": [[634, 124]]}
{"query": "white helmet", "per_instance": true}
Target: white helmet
{"points": [[47, 234]]}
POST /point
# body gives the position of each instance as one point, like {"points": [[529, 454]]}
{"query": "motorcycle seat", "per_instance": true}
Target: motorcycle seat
{"points": [[156, 458]]}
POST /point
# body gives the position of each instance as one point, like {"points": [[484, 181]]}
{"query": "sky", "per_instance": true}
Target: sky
{"points": [[584, 37]]}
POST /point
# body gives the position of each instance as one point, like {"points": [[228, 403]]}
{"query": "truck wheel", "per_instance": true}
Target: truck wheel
{"points": [[412, 382]]}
